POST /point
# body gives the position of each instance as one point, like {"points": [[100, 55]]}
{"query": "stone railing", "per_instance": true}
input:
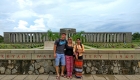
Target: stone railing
{"points": [[95, 62]]}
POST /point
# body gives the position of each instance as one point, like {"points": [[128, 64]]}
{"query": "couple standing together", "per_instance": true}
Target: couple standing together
{"points": [[71, 57]]}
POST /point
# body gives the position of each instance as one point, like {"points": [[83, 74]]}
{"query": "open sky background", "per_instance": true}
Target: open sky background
{"points": [[84, 15]]}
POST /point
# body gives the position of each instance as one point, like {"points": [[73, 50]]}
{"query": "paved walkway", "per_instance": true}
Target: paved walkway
{"points": [[85, 77], [89, 47]]}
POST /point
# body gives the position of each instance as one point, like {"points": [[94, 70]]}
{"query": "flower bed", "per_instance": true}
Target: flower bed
{"points": [[113, 45], [20, 46]]}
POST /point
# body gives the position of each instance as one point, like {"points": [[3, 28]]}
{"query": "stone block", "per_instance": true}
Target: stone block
{"points": [[17, 56], [137, 56], [122, 56], [5, 51], [2, 56], [129, 51], [91, 52], [22, 51], [108, 51], [44, 51], [42, 56], [95, 56]]}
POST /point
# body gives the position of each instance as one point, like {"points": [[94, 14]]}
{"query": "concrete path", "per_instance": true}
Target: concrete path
{"points": [[89, 47], [85, 77]]}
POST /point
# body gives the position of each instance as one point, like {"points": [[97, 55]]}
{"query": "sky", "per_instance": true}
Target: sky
{"points": [[84, 15]]}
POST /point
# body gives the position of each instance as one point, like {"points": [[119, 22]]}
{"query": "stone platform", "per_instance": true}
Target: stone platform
{"points": [[85, 77]]}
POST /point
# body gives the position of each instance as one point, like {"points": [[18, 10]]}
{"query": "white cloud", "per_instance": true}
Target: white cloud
{"points": [[38, 26], [24, 3], [88, 15], [22, 25]]}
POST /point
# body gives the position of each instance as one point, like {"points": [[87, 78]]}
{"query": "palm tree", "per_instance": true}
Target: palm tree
{"points": [[79, 35], [51, 36]]}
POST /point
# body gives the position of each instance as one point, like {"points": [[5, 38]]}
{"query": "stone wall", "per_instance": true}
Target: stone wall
{"points": [[95, 62]]}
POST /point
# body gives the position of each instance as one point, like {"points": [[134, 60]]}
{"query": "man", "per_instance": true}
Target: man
{"points": [[59, 55]]}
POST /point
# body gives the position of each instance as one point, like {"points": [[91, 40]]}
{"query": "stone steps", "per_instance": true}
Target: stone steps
{"points": [[85, 77]]}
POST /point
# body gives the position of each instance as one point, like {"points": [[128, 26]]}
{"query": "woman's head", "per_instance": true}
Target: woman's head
{"points": [[69, 40], [78, 40]]}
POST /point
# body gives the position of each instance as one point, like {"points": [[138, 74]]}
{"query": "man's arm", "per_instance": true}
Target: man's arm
{"points": [[54, 49]]}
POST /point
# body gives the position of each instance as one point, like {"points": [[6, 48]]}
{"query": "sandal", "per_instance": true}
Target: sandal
{"points": [[57, 77], [63, 76], [70, 77]]}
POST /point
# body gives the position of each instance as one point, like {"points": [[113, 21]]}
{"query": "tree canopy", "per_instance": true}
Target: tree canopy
{"points": [[51, 36], [1, 39], [136, 36], [78, 35]]}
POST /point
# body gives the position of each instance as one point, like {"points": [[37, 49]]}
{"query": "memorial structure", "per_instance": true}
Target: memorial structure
{"points": [[35, 37]]}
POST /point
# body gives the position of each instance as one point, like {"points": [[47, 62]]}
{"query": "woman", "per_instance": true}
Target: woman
{"points": [[69, 58], [78, 51]]}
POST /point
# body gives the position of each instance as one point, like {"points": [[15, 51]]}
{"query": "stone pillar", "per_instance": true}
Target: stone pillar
{"points": [[40, 35], [101, 37], [115, 38], [129, 37], [21, 37], [37, 37], [118, 37], [108, 37], [121, 37], [98, 37], [24, 37], [27, 37], [34, 37], [91, 37], [124, 37], [11, 37], [104, 37], [14, 36], [31, 37], [17, 38], [95, 37], [44, 38], [111, 36], [86, 37]]}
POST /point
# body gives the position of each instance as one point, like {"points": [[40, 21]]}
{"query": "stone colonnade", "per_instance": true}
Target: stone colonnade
{"points": [[108, 37], [36, 37], [27, 37]]}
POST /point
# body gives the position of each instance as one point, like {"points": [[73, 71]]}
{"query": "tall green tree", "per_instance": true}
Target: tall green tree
{"points": [[51, 36], [1, 39], [136, 36], [79, 35]]}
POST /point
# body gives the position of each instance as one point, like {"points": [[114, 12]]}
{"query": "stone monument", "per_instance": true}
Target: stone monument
{"points": [[69, 31]]}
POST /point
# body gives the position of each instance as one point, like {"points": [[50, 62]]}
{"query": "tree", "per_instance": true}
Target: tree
{"points": [[1, 39], [79, 35], [51, 36], [136, 36]]}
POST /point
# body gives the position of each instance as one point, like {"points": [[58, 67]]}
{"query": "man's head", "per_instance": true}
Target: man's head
{"points": [[63, 36]]}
